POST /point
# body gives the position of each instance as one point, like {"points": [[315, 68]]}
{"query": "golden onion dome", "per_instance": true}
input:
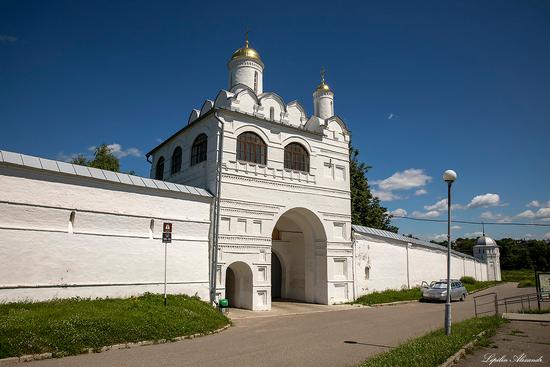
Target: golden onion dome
{"points": [[323, 87], [246, 52]]}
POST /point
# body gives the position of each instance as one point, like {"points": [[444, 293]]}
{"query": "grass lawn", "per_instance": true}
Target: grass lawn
{"points": [[392, 295], [525, 277], [434, 348], [536, 311], [68, 326], [389, 295]]}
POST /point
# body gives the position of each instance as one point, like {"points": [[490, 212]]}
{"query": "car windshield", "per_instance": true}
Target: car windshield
{"points": [[439, 285]]}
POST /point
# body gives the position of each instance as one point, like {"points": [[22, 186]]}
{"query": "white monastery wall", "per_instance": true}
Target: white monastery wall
{"points": [[386, 263], [64, 235]]}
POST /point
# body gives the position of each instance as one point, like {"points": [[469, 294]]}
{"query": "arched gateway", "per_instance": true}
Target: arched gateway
{"points": [[299, 249]]}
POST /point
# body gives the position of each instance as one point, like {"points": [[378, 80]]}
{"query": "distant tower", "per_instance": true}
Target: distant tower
{"points": [[246, 67], [323, 99], [486, 250]]}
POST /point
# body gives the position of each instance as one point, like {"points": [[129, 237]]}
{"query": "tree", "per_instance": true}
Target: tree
{"points": [[365, 209], [103, 159]]}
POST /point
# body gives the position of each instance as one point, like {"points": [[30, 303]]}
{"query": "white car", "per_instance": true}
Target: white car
{"points": [[437, 291]]}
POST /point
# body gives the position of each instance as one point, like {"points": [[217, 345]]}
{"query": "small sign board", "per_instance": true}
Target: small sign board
{"points": [[543, 285], [166, 232]]}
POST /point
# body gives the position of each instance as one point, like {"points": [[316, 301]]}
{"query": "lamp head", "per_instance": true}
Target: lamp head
{"points": [[449, 175]]}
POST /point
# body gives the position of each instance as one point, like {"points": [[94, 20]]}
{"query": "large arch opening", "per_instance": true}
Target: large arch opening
{"points": [[238, 285], [299, 246], [276, 276]]}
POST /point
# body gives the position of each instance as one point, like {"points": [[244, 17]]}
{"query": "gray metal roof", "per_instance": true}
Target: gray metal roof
{"points": [[19, 159], [398, 237]]}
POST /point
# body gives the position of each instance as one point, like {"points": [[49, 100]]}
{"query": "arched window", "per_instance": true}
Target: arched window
{"points": [[272, 113], [251, 148], [296, 157], [175, 166], [256, 82], [159, 170], [198, 151]]}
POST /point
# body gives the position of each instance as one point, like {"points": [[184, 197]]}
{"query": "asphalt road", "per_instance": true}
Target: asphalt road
{"points": [[332, 338]]}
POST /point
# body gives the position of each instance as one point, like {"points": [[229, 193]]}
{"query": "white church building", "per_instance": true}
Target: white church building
{"points": [[259, 196]]}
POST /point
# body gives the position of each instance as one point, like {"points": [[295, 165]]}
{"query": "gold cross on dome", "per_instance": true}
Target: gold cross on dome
{"points": [[322, 75]]}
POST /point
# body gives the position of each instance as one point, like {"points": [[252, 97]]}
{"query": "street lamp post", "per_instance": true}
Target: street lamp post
{"points": [[449, 177]]}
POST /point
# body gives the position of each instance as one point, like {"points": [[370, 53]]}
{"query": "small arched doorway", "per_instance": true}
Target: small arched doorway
{"points": [[276, 276], [238, 285]]}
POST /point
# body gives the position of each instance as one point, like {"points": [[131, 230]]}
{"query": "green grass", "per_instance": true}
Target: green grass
{"points": [[434, 348], [525, 277], [68, 326], [536, 311], [389, 295]]}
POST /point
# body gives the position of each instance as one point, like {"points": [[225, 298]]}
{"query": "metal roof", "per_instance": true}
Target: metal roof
{"points": [[398, 237], [19, 159]]}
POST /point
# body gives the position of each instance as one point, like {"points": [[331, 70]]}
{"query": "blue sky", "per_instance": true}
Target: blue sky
{"points": [[424, 86]]}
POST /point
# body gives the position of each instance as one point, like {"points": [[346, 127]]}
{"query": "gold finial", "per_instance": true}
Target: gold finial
{"points": [[246, 39], [322, 75]]}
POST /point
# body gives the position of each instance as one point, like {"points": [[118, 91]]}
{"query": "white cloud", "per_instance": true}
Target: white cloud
{"points": [[440, 205], [543, 213], [526, 214], [408, 179], [4, 38], [438, 237], [385, 195], [420, 192], [484, 201], [456, 227], [488, 215], [118, 152], [533, 204], [392, 116], [399, 212], [428, 214], [473, 234], [547, 236]]}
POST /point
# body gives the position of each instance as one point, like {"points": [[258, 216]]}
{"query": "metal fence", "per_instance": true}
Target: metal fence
{"points": [[490, 304]]}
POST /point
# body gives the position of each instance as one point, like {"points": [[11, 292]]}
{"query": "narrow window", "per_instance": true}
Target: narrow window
{"points": [[296, 157], [367, 272], [198, 150], [151, 229], [256, 82], [251, 148], [159, 171], [175, 166], [71, 221], [272, 113]]}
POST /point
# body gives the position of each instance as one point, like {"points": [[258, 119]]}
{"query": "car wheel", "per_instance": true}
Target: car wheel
{"points": [[463, 298]]}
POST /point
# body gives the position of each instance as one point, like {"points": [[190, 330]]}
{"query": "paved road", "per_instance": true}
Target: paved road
{"points": [[310, 339]]}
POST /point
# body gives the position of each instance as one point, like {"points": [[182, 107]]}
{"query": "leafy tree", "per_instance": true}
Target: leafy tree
{"points": [[103, 159], [365, 209]]}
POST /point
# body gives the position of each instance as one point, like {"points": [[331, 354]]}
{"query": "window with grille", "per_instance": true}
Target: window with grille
{"points": [[296, 157], [272, 113], [159, 170], [251, 148], [175, 167], [255, 82], [198, 151]]}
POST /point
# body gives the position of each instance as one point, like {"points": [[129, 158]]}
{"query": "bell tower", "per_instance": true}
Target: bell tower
{"points": [[246, 67]]}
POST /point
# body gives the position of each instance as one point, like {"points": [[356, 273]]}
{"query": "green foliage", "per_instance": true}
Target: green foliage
{"points": [[536, 311], [365, 209], [524, 277], [434, 348], [477, 286], [390, 295], [468, 280], [70, 325], [103, 159]]}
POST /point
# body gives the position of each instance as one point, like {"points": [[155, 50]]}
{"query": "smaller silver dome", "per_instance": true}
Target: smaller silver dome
{"points": [[485, 241]]}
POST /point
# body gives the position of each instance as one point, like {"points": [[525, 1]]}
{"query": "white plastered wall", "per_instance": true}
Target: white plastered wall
{"points": [[395, 264], [113, 246]]}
